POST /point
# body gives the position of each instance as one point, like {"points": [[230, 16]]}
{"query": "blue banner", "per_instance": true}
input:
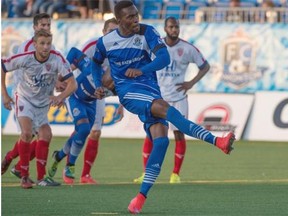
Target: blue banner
{"points": [[244, 58]]}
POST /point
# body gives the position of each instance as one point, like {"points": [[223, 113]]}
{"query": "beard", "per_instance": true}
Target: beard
{"points": [[173, 37]]}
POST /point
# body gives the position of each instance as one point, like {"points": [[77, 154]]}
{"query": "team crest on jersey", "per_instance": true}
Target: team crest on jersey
{"points": [[87, 61], [48, 66], [76, 112], [180, 51], [238, 60], [137, 42], [21, 108]]}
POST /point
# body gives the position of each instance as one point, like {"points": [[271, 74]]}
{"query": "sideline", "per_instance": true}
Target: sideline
{"points": [[160, 182]]}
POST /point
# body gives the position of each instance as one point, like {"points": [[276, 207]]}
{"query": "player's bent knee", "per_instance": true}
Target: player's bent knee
{"points": [[159, 108], [95, 134], [45, 133], [83, 130], [26, 136]]}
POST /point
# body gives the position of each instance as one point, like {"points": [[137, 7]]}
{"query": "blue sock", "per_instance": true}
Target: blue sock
{"points": [[154, 163], [65, 150], [189, 127], [78, 141]]}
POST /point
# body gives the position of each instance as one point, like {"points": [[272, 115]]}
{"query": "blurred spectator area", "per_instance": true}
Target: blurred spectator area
{"points": [[259, 11], [94, 9], [217, 10]]}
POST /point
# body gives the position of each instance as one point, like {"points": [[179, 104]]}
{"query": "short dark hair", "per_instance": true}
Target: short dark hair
{"points": [[41, 33], [40, 16], [170, 18], [120, 5], [107, 22]]}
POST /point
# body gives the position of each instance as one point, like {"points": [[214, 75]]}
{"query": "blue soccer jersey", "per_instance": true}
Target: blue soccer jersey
{"points": [[135, 51], [129, 52], [81, 104]]}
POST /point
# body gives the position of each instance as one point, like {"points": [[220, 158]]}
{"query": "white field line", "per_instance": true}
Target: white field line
{"points": [[240, 181]]}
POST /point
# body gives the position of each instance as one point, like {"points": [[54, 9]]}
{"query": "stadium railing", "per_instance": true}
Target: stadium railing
{"points": [[254, 15]]}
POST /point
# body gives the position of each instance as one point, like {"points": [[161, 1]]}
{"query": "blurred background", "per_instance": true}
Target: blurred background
{"points": [[259, 11], [245, 42]]}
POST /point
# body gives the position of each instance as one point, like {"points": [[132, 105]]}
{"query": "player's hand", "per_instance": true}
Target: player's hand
{"points": [[99, 93], [119, 114], [185, 86], [7, 102], [60, 86], [133, 73], [56, 101]]}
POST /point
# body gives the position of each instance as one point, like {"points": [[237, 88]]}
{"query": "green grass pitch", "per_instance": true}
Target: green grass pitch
{"points": [[253, 180]]}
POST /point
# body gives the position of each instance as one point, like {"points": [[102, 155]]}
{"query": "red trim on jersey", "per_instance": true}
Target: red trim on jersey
{"points": [[17, 55], [92, 43], [16, 104], [203, 59], [26, 48], [58, 54]]}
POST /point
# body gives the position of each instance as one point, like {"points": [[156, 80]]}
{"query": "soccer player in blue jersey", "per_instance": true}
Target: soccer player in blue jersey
{"points": [[173, 87], [93, 140], [81, 106], [130, 50]]}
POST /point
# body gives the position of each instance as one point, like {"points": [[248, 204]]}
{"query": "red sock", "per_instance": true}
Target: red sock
{"points": [[147, 148], [33, 149], [18, 165], [180, 149], [32, 154], [90, 155], [42, 148], [24, 152], [13, 153]]}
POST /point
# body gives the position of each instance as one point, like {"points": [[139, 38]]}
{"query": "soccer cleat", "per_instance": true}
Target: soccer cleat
{"points": [[47, 181], [26, 182], [5, 164], [87, 179], [225, 143], [136, 204], [140, 179], [68, 174], [53, 169], [16, 172], [175, 178]]}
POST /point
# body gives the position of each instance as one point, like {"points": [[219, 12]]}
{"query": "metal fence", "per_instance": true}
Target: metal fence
{"points": [[251, 15]]}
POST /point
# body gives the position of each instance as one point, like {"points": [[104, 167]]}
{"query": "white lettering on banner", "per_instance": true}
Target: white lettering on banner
{"points": [[269, 117]]}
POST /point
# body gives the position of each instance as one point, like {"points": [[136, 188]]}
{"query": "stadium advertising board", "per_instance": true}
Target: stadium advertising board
{"points": [[217, 112], [269, 117], [221, 113]]}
